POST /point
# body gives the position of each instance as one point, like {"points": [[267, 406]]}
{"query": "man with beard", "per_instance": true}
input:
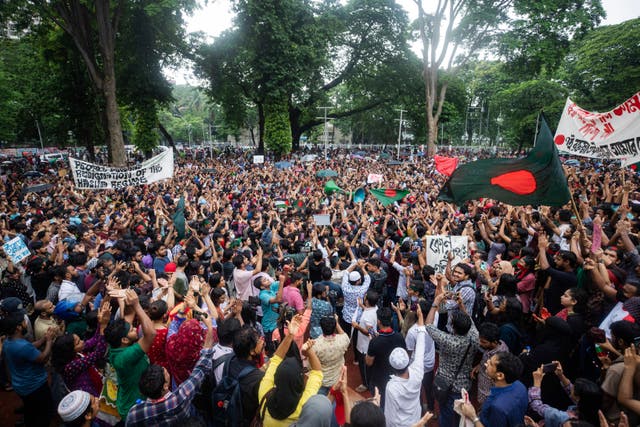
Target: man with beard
{"points": [[128, 354]]}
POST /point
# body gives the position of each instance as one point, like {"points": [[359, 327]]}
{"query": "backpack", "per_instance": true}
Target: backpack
{"points": [[478, 306], [226, 397]]}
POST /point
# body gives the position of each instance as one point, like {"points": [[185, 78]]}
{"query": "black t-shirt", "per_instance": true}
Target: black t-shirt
{"points": [[315, 270], [248, 387], [381, 347]]}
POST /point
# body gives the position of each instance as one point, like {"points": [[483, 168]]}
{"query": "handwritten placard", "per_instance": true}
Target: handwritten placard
{"points": [[438, 248]]}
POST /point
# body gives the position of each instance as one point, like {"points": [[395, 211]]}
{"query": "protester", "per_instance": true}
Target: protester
{"points": [[560, 285]]}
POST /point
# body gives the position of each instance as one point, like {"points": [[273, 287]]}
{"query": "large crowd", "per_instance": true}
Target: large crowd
{"points": [[253, 314]]}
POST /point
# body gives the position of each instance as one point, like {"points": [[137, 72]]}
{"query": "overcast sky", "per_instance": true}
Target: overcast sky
{"points": [[216, 17]]}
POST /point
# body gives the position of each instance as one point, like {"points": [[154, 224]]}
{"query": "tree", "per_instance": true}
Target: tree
{"points": [[521, 102], [457, 30], [93, 27], [277, 132], [603, 69], [305, 52]]}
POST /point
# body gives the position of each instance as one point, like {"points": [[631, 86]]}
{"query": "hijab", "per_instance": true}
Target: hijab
{"points": [[288, 388]]}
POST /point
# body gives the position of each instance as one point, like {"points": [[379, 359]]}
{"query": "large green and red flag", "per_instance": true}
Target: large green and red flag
{"points": [[387, 196], [537, 179]]}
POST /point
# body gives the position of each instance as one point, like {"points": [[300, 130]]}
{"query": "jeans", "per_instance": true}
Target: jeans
{"points": [[448, 417]]}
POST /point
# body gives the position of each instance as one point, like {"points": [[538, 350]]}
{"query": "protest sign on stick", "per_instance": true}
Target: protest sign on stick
{"points": [[438, 248]]}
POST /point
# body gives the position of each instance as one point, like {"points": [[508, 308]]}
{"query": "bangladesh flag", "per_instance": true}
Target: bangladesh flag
{"points": [[387, 196], [537, 179]]}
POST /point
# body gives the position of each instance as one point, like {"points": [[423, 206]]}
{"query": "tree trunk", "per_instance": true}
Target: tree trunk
{"points": [[116, 141], [296, 131]]}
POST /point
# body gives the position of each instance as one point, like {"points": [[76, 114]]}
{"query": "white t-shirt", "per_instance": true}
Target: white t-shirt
{"points": [[429, 347], [368, 321]]}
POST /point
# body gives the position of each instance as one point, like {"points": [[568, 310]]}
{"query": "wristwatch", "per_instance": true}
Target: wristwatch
{"points": [[475, 420]]}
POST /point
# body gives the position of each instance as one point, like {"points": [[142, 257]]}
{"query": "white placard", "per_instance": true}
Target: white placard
{"points": [[258, 159], [323, 219], [438, 248], [374, 178], [98, 177], [16, 250]]}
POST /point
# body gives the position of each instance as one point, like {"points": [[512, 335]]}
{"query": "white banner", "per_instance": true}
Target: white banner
{"points": [[258, 159], [374, 178], [91, 176], [438, 248], [611, 135]]}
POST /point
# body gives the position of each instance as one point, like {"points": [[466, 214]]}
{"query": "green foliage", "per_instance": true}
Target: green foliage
{"points": [[521, 103], [540, 35], [277, 131], [603, 69], [145, 136]]}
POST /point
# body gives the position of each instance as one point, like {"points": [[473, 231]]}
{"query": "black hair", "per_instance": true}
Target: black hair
{"points": [[214, 279], [317, 290], [62, 352], [245, 340], [489, 331], [238, 260], [10, 323], [580, 296], [115, 331], [461, 322], [625, 331], [248, 314], [428, 271], [372, 296], [510, 365], [569, 256], [590, 399], [507, 285], [384, 316], [468, 270], [374, 261], [367, 414], [326, 273], [151, 382], [328, 325], [216, 294], [226, 330], [157, 309]]}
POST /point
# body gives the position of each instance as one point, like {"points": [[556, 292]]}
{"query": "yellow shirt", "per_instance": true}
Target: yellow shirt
{"points": [[313, 385]]}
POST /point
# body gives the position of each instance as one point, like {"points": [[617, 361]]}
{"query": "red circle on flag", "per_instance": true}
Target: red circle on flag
{"points": [[411, 199], [559, 140], [634, 167], [389, 192]]}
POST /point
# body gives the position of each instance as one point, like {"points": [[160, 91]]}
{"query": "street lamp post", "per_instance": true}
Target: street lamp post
{"points": [[326, 134], [400, 131]]}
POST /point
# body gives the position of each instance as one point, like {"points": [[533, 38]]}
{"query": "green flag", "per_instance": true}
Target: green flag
{"points": [[537, 179], [387, 196], [178, 219]]}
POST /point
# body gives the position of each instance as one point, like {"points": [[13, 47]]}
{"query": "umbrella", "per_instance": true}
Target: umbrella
{"points": [[385, 155], [283, 165], [572, 162], [393, 163], [326, 173], [33, 174]]}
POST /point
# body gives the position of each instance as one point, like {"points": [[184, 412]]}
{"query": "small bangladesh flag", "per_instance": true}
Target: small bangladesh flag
{"points": [[281, 204], [537, 179], [298, 204], [387, 196]]}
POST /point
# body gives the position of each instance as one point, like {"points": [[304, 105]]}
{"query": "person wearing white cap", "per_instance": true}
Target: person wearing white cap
{"points": [[354, 287], [402, 398], [78, 409]]}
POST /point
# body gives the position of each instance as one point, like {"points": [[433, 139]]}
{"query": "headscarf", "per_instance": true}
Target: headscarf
{"points": [[506, 267], [183, 350], [288, 388], [316, 412]]}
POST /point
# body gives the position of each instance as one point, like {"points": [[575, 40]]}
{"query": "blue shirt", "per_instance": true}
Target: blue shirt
{"points": [[269, 317], [26, 374], [505, 406]]}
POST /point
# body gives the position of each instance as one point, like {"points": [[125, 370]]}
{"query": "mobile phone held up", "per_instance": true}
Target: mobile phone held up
{"points": [[548, 368]]}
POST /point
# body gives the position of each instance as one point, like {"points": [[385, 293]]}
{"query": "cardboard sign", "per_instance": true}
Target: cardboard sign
{"points": [[16, 250]]}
